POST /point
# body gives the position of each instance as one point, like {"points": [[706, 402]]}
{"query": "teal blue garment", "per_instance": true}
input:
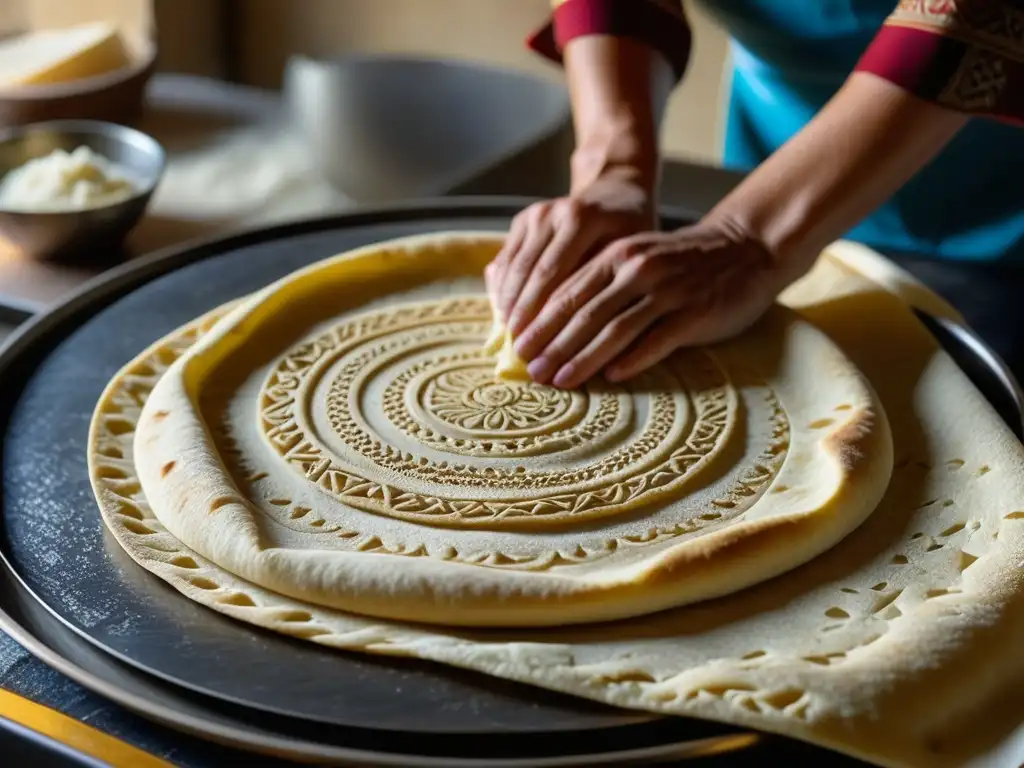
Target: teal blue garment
{"points": [[791, 56]]}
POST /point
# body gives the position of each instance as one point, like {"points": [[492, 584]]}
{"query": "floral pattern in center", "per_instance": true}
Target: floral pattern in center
{"points": [[470, 399]]}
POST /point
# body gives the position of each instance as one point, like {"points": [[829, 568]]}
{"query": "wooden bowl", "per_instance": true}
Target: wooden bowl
{"points": [[115, 97]]}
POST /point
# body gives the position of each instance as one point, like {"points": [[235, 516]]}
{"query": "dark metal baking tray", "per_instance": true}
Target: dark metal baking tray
{"points": [[163, 656]]}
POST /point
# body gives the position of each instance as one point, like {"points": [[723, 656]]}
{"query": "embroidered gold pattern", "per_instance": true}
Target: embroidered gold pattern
{"points": [[994, 26], [977, 83]]}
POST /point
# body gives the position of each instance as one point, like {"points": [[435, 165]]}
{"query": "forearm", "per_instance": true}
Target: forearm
{"points": [[619, 89], [863, 146]]}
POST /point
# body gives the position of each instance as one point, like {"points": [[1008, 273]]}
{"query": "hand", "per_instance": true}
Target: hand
{"points": [[645, 296], [549, 240]]}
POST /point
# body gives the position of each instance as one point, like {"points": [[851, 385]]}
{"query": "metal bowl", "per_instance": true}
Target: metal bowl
{"points": [[81, 234], [385, 128]]}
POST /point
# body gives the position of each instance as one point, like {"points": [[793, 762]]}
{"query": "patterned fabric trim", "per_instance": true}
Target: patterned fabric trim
{"points": [[659, 23], [967, 55]]}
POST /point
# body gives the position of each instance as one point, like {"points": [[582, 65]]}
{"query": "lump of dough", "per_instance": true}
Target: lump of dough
{"points": [[509, 366]]}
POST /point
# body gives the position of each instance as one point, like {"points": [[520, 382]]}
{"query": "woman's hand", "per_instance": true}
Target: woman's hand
{"points": [[645, 296], [549, 240]]}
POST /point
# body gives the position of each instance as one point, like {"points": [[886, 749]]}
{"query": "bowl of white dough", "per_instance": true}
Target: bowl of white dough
{"points": [[73, 189]]}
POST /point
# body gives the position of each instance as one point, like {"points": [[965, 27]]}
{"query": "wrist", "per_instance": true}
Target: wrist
{"points": [[618, 148], [860, 149], [779, 226], [788, 206]]}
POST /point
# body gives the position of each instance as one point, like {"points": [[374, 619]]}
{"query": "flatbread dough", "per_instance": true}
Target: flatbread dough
{"points": [[368, 461], [900, 646]]}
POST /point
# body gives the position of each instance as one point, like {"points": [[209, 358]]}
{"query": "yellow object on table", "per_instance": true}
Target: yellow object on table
{"points": [[62, 55], [73, 734]]}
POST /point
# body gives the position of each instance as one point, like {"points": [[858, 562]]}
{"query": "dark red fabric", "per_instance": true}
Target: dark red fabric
{"points": [[948, 71], [663, 29]]}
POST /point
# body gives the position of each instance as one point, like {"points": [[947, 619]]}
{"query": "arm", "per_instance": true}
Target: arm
{"points": [[862, 147], [932, 66], [619, 88], [622, 59], [645, 296]]}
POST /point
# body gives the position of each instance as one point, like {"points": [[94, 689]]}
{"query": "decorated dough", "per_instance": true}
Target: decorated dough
{"points": [[369, 461], [901, 645]]}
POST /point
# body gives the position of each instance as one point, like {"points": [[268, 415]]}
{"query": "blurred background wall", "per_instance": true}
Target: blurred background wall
{"points": [[486, 30], [249, 41]]}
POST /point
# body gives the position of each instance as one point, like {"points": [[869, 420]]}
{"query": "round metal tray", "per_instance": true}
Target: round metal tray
{"points": [[75, 599]]}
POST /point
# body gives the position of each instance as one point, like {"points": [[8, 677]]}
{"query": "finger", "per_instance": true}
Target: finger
{"points": [[668, 334], [513, 242], [491, 285], [615, 337], [537, 237], [581, 328], [494, 273], [517, 229], [570, 297], [560, 258]]}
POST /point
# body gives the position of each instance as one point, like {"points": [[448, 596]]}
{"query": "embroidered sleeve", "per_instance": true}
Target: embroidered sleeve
{"points": [[659, 23], [967, 55]]}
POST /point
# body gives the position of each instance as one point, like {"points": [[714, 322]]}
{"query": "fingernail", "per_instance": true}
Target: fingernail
{"points": [[563, 379], [539, 370]]}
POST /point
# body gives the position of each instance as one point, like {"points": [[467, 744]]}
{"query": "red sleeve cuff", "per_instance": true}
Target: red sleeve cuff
{"points": [[948, 71], [663, 27]]}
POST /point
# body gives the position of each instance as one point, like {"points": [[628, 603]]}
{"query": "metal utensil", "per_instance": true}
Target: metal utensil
{"points": [[81, 234], [386, 128]]}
